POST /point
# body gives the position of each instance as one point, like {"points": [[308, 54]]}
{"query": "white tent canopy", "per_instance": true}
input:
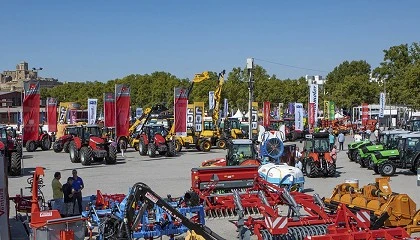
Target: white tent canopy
{"points": [[238, 115], [338, 115]]}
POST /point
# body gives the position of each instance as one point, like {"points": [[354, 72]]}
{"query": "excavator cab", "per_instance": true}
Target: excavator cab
{"points": [[232, 128]]}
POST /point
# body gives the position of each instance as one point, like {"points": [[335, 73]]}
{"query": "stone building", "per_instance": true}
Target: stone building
{"points": [[13, 80]]}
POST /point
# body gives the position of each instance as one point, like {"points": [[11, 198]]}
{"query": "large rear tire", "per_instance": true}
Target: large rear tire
{"points": [[171, 149], [86, 156], [331, 170], [151, 150], [74, 153], [57, 147], [178, 146], [45, 143], [30, 146], [142, 148], [221, 143], [311, 169], [15, 164], [112, 155]]}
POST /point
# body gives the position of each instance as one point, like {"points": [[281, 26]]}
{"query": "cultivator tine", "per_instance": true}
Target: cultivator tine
{"points": [[292, 203], [263, 198], [318, 200]]}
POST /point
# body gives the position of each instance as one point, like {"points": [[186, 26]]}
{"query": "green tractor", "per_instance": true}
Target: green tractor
{"points": [[406, 156], [353, 147]]}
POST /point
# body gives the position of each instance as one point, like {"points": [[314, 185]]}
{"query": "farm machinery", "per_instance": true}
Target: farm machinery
{"points": [[192, 139], [89, 146], [11, 150], [63, 142], [353, 148], [153, 138], [381, 206], [144, 214], [44, 141], [406, 156], [317, 160]]}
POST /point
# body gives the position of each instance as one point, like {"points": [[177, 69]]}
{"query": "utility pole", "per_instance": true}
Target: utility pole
{"points": [[250, 67]]}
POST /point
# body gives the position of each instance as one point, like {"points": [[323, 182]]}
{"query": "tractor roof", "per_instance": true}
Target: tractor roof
{"points": [[318, 135], [396, 131], [242, 141], [410, 135]]}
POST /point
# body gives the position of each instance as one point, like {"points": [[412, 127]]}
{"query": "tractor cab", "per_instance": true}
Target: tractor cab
{"points": [[317, 142], [108, 133], [153, 129], [409, 150], [240, 151], [70, 130], [390, 138], [232, 128]]}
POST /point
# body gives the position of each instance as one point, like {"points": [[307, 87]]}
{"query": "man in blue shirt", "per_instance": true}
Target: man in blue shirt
{"points": [[341, 140], [332, 140], [78, 187]]}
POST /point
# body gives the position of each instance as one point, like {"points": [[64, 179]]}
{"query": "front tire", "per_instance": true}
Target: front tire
{"points": [[205, 146], [86, 156], [30, 146], [142, 148], [387, 169], [178, 146], [45, 143], [66, 147], [221, 144], [171, 150], [57, 147], [151, 150], [112, 155], [15, 164], [74, 153]]}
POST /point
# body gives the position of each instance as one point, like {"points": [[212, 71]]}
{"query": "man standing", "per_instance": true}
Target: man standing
{"points": [[298, 156], [68, 198], [57, 191], [77, 187], [341, 140]]}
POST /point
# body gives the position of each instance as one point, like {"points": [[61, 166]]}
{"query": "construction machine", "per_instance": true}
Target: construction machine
{"points": [[317, 160], [192, 139], [384, 207], [44, 141], [89, 145]]}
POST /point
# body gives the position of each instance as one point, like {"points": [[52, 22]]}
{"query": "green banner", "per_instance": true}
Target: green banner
{"points": [[326, 110], [332, 110]]}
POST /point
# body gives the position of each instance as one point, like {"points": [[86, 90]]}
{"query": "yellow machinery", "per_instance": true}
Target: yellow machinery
{"points": [[387, 209]]}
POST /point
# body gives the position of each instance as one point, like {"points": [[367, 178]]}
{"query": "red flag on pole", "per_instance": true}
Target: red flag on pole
{"points": [[109, 109], [52, 114], [122, 109], [365, 113], [311, 113], [180, 105], [267, 114], [31, 102]]}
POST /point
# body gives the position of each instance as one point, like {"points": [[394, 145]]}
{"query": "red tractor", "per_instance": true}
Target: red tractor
{"points": [[152, 139], [63, 142], [11, 150], [44, 141], [89, 145], [317, 160]]}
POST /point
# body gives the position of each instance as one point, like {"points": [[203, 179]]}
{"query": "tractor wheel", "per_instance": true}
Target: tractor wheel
{"points": [[15, 164], [45, 143], [198, 146], [178, 146], [142, 148], [136, 146], [19, 149], [66, 147], [376, 169], [57, 147], [171, 149], [86, 156], [205, 145], [331, 170], [311, 169], [353, 156], [357, 159], [112, 155], [31, 146], [362, 162], [221, 144], [74, 153], [387, 169], [151, 150]]}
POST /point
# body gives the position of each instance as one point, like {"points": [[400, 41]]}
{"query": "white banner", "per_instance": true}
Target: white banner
{"points": [[226, 108], [382, 100], [313, 98], [299, 116], [211, 100], [92, 107], [4, 205]]}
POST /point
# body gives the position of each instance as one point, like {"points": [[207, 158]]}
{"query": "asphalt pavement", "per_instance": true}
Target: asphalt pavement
{"points": [[171, 175]]}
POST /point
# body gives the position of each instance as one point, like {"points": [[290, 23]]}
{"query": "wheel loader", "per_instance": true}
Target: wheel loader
{"points": [[317, 160], [406, 156], [385, 208], [192, 139]]}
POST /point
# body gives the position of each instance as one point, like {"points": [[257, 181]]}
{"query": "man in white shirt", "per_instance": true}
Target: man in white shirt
{"points": [[298, 156]]}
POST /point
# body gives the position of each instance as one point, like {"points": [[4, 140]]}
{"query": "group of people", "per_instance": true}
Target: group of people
{"points": [[65, 196]]}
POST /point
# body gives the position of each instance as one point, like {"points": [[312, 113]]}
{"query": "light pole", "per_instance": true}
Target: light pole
{"points": [[250, 67], [35, 70]]}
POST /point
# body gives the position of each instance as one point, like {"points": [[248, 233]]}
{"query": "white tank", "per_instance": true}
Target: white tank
{"points": [[283, 175]]}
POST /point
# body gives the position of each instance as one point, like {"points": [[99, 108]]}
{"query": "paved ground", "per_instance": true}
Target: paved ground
{"points": [[172, 176]]}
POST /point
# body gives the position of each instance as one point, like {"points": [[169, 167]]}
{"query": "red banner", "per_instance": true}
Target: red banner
{"points": [[365, 113], [52, 114], [267, 116], [122, 109], [31, 102], [311, 113], [109, 109], [180, 105]]}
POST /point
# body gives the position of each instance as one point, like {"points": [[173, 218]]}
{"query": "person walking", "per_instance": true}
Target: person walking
{"points": [[332, 140], [334, 153], [341, 140], [68, 209], [57, 189], [77, 187]]}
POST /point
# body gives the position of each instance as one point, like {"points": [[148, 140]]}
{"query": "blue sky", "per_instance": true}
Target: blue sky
{"points": [[103, 40]]}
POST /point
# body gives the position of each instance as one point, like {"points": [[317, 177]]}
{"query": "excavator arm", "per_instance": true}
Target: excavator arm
{"points": [[146, 115], [143, 193], [217, 99]]}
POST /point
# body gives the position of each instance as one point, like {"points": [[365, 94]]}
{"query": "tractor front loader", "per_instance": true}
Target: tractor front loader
{"points": [[89, 146], [318, 161]]}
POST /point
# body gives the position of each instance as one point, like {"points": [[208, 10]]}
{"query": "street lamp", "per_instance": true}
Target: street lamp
{"points": [[250, 67], [35, 70]]}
